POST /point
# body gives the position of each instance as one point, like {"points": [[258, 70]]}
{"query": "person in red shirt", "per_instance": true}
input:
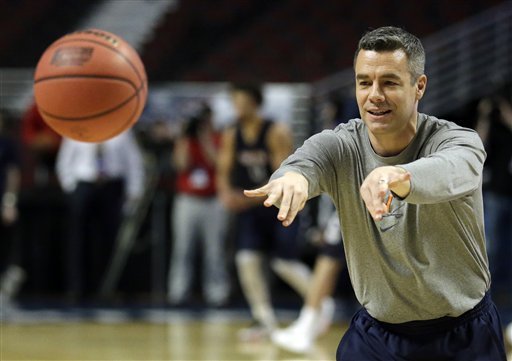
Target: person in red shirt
{"points": [[41, 144], [197, 215]]}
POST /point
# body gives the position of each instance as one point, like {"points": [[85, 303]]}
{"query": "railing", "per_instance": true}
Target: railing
{"points": [[464, 62]]}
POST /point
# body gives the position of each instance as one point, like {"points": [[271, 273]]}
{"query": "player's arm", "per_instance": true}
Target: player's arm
{"points": [[181, 156], [232, 198], [225, 161], [483, 121], [280, 143]]}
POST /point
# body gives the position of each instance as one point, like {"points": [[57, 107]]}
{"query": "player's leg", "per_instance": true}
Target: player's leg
{"points": [[249, 263], [213, 233], [318, 311], [285, 261], [319, 302], [293, 272], [185, 221]]}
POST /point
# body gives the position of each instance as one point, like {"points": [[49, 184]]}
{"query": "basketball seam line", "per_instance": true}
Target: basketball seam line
{"points": [[136, 94], [128, 121], [109, 48], [93, 76]]}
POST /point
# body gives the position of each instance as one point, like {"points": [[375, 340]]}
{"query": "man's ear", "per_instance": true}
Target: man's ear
{"points": [[421, 86]]}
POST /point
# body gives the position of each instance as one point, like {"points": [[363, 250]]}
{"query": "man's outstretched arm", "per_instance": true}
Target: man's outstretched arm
{"points": [[289, 193]]}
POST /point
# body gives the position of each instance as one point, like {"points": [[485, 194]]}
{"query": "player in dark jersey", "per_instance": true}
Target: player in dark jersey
{"points": [[250, 152]]}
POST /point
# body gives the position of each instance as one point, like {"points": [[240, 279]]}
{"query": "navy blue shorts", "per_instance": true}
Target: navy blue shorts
{"points": [[259, 229], [474, 336]]}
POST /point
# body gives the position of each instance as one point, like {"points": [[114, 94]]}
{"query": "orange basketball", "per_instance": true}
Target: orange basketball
{"points": [[90, 85]]}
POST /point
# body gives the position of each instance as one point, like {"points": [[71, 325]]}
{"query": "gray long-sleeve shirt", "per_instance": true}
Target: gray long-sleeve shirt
{"points": [[426, 259]]}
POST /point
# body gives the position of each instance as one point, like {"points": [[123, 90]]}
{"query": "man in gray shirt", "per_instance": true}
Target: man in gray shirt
{"points": [[407, 187]]}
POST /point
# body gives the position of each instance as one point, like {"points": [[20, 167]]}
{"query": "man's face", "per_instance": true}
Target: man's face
{"points": [[244, 104], [386, 96]]}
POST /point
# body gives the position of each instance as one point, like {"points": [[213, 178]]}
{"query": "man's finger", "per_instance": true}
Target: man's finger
{"points": [[285, 205], [295, 207], [273, 198], [260, 192]]}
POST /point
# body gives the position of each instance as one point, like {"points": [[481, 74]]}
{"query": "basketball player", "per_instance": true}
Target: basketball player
{"points": [[407, 187], [317, 314], [249, 152]]}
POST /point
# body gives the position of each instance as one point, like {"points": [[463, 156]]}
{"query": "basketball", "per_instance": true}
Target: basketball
{"points": [[90, 85]]}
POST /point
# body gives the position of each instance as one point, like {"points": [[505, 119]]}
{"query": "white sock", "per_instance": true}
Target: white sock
{"points": [[308, 318], [255, 288], [295, 273]]}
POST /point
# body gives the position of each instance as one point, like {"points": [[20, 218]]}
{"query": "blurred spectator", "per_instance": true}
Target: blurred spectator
{"points": [[11, 273], [494, 125], [336, 109], [250, 151], [42, 144], [198, 216], [159, 141], [41, 202], [102, 181]]}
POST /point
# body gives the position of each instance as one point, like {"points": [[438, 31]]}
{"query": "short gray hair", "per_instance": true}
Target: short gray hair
{"points": [[390, 38]]}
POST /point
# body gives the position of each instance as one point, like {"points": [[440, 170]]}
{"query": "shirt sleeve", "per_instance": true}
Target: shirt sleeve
{"points": [[315, 161], [451, 171]]}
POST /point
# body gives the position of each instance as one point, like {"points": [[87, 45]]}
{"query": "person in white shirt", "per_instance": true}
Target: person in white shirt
{"points": [[101, 180]]}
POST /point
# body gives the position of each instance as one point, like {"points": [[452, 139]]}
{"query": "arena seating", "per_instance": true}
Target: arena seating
{"points": [[20, 44], [262, 40]]}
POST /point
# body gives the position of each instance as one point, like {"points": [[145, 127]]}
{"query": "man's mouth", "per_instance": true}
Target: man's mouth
{"points": [[379, 112]]}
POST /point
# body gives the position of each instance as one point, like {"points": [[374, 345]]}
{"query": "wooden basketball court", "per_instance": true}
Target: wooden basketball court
{"points": [[163, 335]]}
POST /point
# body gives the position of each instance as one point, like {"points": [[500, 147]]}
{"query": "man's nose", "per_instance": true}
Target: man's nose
{"points": [[376, 94]]}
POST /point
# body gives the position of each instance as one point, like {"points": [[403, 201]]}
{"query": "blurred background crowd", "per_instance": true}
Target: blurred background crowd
{"points": [[135, 220]]}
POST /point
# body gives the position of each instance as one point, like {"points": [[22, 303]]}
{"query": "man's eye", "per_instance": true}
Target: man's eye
{"points": [[364, 83]]}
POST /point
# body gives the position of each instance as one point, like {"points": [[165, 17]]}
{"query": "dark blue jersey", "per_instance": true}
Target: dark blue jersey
{"points": [[252, 167]]}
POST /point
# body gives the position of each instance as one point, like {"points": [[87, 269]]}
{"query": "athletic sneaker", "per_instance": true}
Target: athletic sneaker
{"points": [[11, 281], [294, 338], [300, 336], [326, 316], [254, 333]]}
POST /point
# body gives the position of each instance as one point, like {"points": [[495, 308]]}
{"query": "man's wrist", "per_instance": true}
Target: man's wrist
{"points": [[401, 189]]}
